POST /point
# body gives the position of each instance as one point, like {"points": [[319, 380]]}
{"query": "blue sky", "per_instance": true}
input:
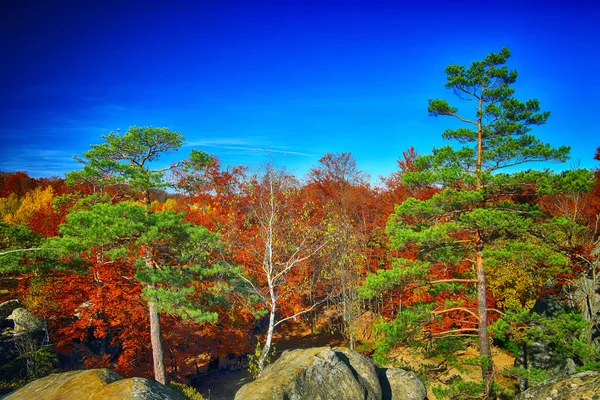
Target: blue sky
{"points": [[240, 79]]}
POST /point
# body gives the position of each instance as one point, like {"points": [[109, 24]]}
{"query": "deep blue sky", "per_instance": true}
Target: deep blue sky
{"points": [[297, 78]]}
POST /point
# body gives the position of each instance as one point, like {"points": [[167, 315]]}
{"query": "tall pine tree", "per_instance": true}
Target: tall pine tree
{"points": [[478, 206]]}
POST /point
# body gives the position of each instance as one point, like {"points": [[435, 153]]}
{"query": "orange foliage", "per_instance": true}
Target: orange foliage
{"points": [[101, 319]]}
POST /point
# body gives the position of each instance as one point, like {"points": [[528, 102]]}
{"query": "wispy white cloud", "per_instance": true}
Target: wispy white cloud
{"points": [[38, 163], [245, 145]]}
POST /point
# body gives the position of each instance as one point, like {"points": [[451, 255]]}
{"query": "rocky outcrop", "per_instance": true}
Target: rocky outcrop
{"points": [[581, 386], [25, 321], [363, 368], [6, 308], [136, 388], [542, 356], [330, 373], [93, 384], [21, 336]]}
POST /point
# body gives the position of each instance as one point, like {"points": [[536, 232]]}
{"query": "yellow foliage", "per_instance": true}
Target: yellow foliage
{"points": [[32, 202], [9, 205], [170, 205], [515, 284]]}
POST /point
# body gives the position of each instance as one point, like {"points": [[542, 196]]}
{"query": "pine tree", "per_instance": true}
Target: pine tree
{"points": [[129, 160], [477, 207]]}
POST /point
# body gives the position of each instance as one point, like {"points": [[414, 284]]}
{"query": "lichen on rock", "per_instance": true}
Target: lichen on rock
{"points": [[93, 384], [581, 386]]}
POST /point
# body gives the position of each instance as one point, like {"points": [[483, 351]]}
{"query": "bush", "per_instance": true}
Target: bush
{"points": [[186, 391]]}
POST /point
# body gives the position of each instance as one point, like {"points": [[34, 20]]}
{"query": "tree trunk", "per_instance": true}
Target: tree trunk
{"points": [[158, 357], [484, 338], [267, 347]]}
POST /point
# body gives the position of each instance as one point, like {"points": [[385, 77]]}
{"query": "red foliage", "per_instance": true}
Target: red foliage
{"points": [[45, 222], [101, 319], [18, 183]]}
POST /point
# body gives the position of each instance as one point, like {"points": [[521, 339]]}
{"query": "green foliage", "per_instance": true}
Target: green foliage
{"points": [[402, 272], [517, 270], [447, 347], [186, 391], [45, 361], [253, 360], [181, 252], [576, 181], [533, 376], [564, 330], [406, 329], [39, 358], [459, 389], [15, 242], [127, 159]]}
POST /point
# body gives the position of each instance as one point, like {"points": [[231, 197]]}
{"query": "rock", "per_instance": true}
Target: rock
{"points": [[364, 367], [581, 386], [93, 384], [398, 384], [536, 355], [315, 373], [542, 356], [25, 321], [321, 373], [136, 388], [7, 308], [67, 385]]}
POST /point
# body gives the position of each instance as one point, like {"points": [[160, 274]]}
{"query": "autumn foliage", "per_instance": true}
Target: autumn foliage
{"points": [[98, 315]]}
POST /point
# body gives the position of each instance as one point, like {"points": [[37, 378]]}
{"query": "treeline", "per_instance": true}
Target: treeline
{"points": [[147, 269]]}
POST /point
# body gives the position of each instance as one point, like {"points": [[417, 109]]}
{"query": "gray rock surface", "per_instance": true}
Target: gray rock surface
{"points": [[398, 384], [25, 321], [93, 384], [7, 308], [364, 369], [327, 373], [581, 386]]}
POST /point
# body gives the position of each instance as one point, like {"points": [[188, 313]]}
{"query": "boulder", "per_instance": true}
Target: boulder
{"points": [[67, 385], [398, 384], [363, 368], [542, 356], [322, 373], [581, 386], [25, 321], [136, 388], [93, 384], [7, 308]]}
